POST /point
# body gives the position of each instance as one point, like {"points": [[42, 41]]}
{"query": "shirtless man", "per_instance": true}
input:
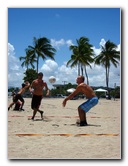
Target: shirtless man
{"points": [[86, 106], [36, 89], [18, 96]]}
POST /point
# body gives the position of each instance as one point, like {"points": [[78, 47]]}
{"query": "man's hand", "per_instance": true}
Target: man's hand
{"points": [[64, 103], [31, 91], [48, 92]]}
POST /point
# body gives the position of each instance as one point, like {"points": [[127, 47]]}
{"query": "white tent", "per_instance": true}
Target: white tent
{"points": [[71, 90], [100, 90]]}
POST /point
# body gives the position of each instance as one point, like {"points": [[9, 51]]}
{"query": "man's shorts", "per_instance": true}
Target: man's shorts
{"points": [[36, 101], [18, 97], [86, 106]]}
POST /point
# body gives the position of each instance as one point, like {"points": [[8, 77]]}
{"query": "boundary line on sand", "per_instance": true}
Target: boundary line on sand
{"points": [[67, 135]]}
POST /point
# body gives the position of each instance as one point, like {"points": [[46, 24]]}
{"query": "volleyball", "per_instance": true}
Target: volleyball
{"points": [[52, 79]]}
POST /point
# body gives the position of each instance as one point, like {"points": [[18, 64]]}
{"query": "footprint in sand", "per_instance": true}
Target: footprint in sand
{"points": [[55, 125]]}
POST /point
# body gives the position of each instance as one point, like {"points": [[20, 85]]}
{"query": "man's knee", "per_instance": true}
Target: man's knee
{"points": [[23, 101], [79, 109]]}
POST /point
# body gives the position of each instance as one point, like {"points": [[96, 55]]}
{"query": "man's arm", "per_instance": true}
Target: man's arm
{"points": [[30, 87], [47, 89], [27, 85], [78, 89]]}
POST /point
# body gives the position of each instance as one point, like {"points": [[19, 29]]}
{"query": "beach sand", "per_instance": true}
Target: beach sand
{"points": [[58, 136]]}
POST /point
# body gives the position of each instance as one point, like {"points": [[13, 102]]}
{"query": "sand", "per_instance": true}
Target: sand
{"points": [[58, 136]]}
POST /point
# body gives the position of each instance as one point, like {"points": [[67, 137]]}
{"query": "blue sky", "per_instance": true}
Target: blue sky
{"points": [[62, 26]]}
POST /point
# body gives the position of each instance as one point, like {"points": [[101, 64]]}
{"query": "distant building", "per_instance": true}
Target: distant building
{"points": [[58, 86]]}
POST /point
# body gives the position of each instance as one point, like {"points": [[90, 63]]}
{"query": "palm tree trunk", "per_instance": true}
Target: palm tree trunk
{"points": [[78, 69], [86, 76], [37, 63], [82, 72], [107, 77], [107, 81]]}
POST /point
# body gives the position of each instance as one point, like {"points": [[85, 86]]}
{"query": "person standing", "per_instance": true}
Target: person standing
{"points": [[36, 88], [86, 106]]}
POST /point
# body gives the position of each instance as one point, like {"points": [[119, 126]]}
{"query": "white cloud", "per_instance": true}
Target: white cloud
{"points": [[67, 74], [15, 72], [11, 55], [102, 42], [58, 43], [10, 49], [118, 47], [96, 50], [62, 73], [69, 43], [49, 67], [61, 42]]}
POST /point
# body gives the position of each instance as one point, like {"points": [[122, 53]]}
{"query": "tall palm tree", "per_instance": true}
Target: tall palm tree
{"points": [[82, 56], [27, 60], [75, 58], [108, 56], [41, 49]]}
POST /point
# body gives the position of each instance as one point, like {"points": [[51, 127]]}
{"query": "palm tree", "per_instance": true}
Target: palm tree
{"points": [[27, 60], [75, 58], [108, 56], [82, 56], [42, 48]]}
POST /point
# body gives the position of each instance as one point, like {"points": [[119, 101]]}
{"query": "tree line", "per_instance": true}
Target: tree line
{"points": [[82, 56]]}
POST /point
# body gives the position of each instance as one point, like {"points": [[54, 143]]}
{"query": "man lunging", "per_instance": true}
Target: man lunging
{"points": [[19, 96]]}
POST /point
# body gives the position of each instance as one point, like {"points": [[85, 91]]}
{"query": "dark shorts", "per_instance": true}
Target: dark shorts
{"points": [[18, 97], [36, 101], [86, 106]]}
